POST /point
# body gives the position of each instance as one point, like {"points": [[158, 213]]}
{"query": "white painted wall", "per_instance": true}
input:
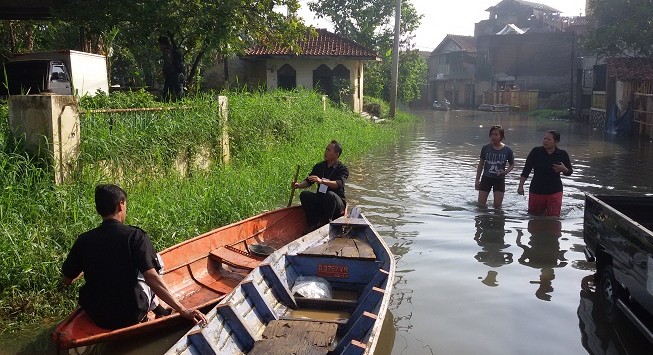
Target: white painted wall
{"points": [[305, 67]]}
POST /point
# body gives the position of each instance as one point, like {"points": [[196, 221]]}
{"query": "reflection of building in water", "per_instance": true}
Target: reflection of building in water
{"points": [[543, 252], [490, 233], [601, 337]]}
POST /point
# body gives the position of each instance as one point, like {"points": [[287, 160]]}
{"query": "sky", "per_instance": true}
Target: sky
{"points": [[442, 17]]}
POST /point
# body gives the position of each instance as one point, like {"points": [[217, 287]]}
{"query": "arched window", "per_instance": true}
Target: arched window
{"points": [[322, 79], [287, 77]]}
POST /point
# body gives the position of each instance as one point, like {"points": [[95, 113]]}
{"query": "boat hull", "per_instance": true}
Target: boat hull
{"points": [[199, 272], [262, 314]]}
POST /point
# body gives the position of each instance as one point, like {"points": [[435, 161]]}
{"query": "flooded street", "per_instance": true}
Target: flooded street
{"points": [[480, 281], [473, 281]]}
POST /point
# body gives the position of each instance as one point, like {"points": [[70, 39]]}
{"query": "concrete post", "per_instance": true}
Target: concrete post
{"points": [[223, 109], [47, 126]]}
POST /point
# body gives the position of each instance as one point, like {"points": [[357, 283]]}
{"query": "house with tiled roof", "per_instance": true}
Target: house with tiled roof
{"points": [[452, 71], [327, 62]]}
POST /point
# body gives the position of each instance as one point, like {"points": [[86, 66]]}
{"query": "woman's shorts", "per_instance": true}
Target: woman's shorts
{"points": [[488, 183], [548, 205]]}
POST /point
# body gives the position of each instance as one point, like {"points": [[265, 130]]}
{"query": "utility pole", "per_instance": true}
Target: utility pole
{"points": [[394, 73]]}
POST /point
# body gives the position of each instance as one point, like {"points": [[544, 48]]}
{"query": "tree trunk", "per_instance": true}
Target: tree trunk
{"points": [[196, 63]]}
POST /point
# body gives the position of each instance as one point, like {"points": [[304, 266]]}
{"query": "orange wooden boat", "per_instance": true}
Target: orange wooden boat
{"points": [[199, 272]]}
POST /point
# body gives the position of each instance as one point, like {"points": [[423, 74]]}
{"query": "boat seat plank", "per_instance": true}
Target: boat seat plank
{"points": [[211, 278], [296, 337], [236, 258], [326, 304], [343, 247]]}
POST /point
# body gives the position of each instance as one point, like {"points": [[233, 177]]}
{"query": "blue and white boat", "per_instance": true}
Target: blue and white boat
{"points": [[325, 293]]}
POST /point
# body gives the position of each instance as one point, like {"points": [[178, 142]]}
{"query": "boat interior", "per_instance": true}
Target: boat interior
{"points": [[264, 315]]}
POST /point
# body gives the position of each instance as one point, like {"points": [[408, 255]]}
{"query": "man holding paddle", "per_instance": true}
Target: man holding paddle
{"points": [[328, 202]]}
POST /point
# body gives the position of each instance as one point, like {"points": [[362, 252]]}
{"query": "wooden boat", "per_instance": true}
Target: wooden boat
{"points": [[199, 272], [264, 314]]}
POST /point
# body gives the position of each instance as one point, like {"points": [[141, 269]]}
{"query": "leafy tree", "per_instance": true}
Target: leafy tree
{"points": [[198, 28], [412, 76], [621, 27], [371, 23]]}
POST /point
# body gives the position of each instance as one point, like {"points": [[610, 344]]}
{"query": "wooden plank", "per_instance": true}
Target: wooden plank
{"points": [[365, 250], [251, 292], [211, 277], [346, 221], [197, 339], [237, 324], [343, 247], [279, 288], [296, 337], [231, 257], [357, 331], [339, 323], [327, 304]]}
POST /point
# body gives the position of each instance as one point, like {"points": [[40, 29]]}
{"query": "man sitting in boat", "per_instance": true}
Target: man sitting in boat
{"points": [[328, 202], [120, 268]]}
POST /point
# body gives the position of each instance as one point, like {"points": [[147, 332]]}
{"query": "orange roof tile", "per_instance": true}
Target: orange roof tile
{"points": [[325, 44]]}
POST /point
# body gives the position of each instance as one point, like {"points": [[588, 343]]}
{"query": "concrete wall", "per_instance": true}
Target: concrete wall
{"points": [[47, 126], [538, 61]]}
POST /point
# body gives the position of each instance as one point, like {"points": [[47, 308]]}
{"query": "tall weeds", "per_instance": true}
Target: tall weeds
{"points": [[270, 133]]}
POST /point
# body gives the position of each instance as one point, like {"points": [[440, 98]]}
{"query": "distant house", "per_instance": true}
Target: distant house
{"points": [[328, 62], [527, 46], [452, 71], [622, 84]]}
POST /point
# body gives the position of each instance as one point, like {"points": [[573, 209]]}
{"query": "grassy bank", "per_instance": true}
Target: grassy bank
{"points": [[270, 134]]}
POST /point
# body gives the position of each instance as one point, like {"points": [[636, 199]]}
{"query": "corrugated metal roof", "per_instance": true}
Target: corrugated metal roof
{"points": [[325, 44], [630, 69]]}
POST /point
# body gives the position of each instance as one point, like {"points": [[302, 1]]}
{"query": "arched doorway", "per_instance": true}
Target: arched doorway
{"points": [[287, 77]]}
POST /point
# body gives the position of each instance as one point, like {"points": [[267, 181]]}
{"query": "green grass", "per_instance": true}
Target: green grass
{"points": [[270, 134]]}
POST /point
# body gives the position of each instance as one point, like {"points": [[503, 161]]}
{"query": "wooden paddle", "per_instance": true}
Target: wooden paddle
{"points": [[292, 190]]}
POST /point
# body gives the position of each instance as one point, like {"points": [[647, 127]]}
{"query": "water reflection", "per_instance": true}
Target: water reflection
{"points": [[490, 233], [543, 252], [599, 336]]}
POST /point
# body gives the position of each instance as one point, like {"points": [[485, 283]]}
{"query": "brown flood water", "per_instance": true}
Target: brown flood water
{"points": [[468, 280]]}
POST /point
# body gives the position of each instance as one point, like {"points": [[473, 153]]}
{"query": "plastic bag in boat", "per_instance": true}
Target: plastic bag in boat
{"points": [[312, 287]]}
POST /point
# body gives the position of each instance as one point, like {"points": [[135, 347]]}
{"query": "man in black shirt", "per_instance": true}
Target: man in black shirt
{"points": [[329, 201], [120, 268]]}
